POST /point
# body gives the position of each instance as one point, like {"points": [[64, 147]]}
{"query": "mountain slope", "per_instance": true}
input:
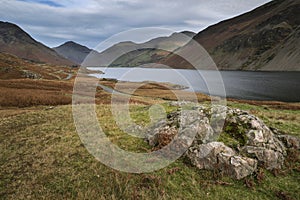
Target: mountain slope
{"points": [[13, 67], [266, 38], [139, 54], [146, 54], [15, 41], [73, 51]]}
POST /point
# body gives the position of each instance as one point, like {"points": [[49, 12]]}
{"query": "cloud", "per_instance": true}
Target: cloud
{"points": [[91, 21]]}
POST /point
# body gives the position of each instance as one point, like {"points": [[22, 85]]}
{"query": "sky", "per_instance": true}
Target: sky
{"points": [[89, 22]]}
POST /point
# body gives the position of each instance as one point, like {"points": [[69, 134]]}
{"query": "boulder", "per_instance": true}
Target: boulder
{"points": [[260, 142], [192, 125], [209, 156], [217, 156], [200, 127]]}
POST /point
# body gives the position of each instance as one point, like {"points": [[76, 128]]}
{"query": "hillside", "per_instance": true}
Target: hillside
{"points": [[266, 38], [145, 52], [139, 54], [12, 67], [73, 51], [14, 40]]}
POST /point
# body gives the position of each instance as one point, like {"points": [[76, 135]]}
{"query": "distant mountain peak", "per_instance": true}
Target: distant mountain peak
{"points": [[188, 33], [71, 43], [127, 43], [73, 51]]}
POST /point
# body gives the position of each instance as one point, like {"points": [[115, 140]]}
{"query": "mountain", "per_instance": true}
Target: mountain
{"points": [[130, 54], [266, 38], [14, 40], [145, 53], [73, 51]]}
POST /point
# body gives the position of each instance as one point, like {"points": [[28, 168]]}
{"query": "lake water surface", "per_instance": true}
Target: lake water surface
{"points": [[276, 86]]}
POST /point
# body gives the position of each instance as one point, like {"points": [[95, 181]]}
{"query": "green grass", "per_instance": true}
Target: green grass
{"points": [[42, 157]]}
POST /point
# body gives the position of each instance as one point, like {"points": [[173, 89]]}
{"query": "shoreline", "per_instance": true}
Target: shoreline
{"points": [[220, 70]]}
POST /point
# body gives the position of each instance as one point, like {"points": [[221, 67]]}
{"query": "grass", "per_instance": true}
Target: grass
{"points": [[43, 157]]}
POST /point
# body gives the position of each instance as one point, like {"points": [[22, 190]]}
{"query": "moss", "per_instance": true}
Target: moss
{"points": [[228, 140], [234, 134]]}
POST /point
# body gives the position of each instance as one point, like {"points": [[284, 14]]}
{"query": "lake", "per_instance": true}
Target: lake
{"points": [[275, 86]]}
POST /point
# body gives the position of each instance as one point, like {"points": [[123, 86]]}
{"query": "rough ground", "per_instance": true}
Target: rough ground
{"points": [[42, 157]]}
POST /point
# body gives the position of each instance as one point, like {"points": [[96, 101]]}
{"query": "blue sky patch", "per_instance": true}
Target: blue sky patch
{"points": [[46, 2]]}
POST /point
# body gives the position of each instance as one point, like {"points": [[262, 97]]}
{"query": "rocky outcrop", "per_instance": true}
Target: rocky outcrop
{"points": [[259, 141], [253, 144], [31, 75]]}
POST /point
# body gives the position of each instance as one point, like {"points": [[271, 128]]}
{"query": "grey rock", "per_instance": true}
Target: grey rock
{"points": [[200, 127], [289, 141], [207, 156], [31, 75], [217, 156], [261, 143], [241, 167], [267, 158]]}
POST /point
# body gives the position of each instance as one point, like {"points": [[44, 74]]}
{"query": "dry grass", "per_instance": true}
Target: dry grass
{"points": [[12, 67], [166, 91], [27, 93], [42, 157]]}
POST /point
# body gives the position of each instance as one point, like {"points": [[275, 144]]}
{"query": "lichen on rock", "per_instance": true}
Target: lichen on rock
{"points": [[255, 143]]}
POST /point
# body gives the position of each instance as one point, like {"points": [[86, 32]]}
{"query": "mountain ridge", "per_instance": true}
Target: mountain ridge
{"points": [[16, 41], [253, 41], [151, 51], [263, 39]]}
